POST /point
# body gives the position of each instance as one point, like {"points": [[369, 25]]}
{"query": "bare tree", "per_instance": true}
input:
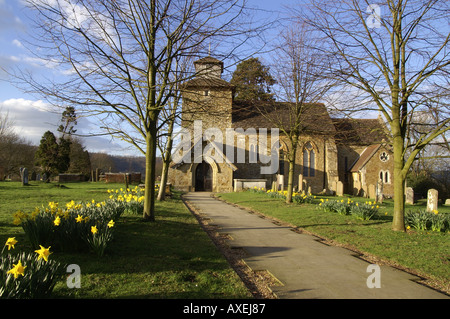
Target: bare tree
{"points": [[298, 72], [15, 151], [117, 57], [395, 53], [171, 114]]}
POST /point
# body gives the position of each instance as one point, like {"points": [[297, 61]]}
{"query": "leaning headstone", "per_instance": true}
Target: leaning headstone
{"points": [[432, 200], [409, 195]]}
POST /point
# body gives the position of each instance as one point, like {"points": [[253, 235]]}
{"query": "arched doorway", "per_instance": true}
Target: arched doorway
{"points": [[203, 177]]}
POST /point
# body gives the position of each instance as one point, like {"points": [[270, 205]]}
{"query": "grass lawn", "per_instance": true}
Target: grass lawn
{"points": [[170, 258], [425, 253]]}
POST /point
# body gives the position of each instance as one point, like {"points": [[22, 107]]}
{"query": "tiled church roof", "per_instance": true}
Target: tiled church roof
{"points": [[206, 82], [315, 119], [360, 131]]}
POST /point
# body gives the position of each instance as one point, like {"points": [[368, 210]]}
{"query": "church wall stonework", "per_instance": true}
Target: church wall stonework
{"points": [[209, 99]]}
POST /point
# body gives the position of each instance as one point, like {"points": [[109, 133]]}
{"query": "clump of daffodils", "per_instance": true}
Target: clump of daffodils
{"points": [[69, 226], [27, 274]]}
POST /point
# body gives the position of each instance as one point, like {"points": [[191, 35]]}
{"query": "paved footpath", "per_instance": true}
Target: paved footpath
{"points": [[307, 268]]}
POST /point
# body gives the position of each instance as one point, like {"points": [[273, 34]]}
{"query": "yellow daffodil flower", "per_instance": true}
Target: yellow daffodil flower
{"points": [[17, 270], [70, 204], [43, 252], [10, 242], [57, 221], [94, 229], [79, 219], [111, 223]]}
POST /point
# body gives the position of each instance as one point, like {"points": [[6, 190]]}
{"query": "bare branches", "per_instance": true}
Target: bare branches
{"points": [[396, 54]]}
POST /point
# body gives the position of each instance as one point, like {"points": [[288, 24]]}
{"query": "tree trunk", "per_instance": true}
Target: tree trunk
{"points": [[290, 187], [150, 161], [162, 185], [291, 173], [398, 222], [166, 163]]}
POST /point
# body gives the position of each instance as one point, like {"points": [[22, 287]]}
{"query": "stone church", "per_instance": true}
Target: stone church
{"points": [[223, 149]]}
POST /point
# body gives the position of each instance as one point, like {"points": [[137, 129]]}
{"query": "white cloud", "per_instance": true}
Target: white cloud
{"points": [[17, 43], [32, 118]]}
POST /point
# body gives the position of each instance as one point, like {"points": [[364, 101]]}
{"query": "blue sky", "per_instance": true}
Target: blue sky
{"points": [[31, 115]]}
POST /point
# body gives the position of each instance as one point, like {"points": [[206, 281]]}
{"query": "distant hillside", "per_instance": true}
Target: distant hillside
{"points": [[121, 164]]}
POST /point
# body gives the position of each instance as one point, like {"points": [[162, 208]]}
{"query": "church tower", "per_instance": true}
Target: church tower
{"points": [[207, 97], [207, 103]]}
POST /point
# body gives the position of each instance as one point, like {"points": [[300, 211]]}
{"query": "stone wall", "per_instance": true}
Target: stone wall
{"points": [[67, 178], [120, 177]]}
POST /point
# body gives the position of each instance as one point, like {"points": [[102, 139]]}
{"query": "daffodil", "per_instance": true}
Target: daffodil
{"points": [[94, 229], [79, 219], [17, 270], [57, 221], [43, 252], [10, 242], [70, 204], [111, 223]]}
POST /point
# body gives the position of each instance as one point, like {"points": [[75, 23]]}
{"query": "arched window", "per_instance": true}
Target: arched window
{"points": [[309, 160], [385, 177]]}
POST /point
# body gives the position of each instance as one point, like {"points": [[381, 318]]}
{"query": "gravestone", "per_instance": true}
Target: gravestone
{"points": [[379, 191], [339, 188], [409, 196], [432, 200], [280, 182], [300, 183], [447, 202], [24, 175], [372, 191]]}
